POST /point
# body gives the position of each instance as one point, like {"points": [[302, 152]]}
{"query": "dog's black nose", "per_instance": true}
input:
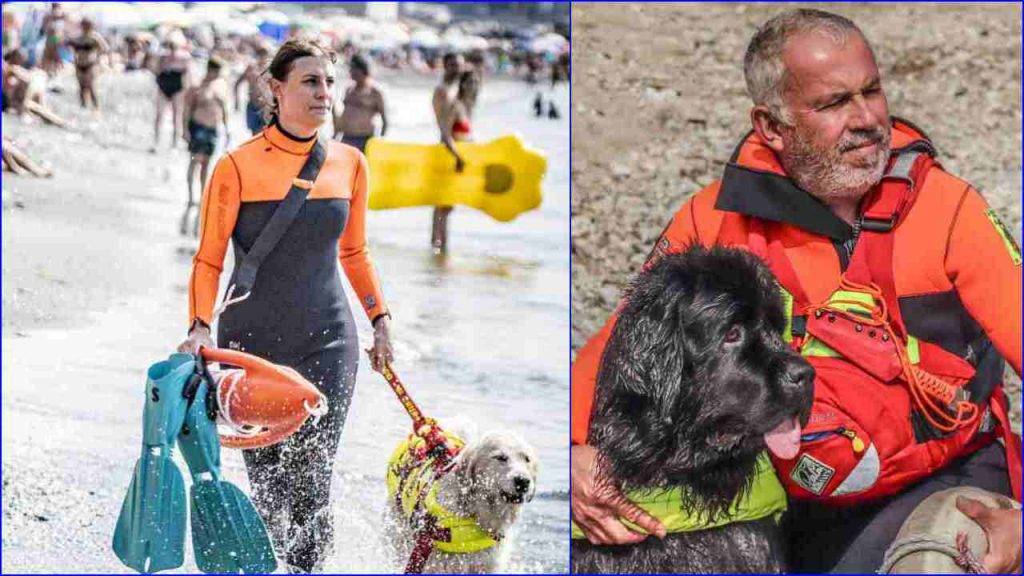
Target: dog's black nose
{"points": [[799, 378], [522, 484]]}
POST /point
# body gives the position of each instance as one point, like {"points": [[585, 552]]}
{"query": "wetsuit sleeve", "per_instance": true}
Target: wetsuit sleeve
{"points": [[219, 210], [983, 262], [679, 233], [354, 256]]}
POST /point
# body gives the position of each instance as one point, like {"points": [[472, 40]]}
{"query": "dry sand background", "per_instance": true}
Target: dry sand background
{"points": [[659, 103]]}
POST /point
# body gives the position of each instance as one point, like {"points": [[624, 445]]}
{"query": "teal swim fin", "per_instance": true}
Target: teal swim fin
{"points": [[150, 532], [228, 534]]}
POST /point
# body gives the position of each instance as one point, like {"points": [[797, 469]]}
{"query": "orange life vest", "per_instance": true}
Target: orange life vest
{"points": [[949, 319]]}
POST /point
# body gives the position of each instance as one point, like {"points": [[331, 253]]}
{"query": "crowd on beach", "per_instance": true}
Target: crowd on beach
{"points": [[200, 69]]}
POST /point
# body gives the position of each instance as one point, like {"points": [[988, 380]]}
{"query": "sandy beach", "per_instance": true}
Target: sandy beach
{"points": [[94, 290], [660, 103]]}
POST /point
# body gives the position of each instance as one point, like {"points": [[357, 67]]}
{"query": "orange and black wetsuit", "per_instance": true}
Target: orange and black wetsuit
{"points": [[957, 275], [297, 314]]}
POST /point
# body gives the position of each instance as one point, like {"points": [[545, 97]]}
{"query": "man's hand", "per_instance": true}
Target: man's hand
{"points": [[1003, 528], [597, 504]]}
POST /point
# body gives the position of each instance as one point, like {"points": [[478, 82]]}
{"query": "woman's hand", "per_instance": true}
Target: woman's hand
{"points": [[460, 164], [198, 336], [381, 351]]}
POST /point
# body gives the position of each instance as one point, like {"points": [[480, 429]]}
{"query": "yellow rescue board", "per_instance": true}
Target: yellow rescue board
{"points": [[502, 177]]}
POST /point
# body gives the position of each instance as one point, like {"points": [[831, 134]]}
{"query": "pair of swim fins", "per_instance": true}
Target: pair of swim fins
{"points": [[228, 535]]}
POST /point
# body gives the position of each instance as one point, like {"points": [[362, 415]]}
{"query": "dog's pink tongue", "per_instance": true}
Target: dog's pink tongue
{"points": [[784, 439]]}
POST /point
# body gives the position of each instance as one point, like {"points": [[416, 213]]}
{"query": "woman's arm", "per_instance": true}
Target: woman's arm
{"points": [[444, 111], [219, 211], [354, 256]]}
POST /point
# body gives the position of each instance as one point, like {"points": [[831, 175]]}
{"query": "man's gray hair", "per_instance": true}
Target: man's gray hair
{"points": [[763, 68]]}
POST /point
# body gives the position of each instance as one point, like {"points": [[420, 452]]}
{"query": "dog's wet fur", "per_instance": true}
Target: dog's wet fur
{"points": [[694, 375], [490, 481]]}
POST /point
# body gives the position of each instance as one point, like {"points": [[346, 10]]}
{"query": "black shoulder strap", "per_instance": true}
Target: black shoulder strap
{"points": [[249, 263]]}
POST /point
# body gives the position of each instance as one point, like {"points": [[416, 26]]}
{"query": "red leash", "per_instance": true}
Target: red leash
{"points": [[436, 445]]}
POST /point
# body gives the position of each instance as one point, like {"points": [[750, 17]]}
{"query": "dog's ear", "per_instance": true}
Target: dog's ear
{"points": [[646, 354]]}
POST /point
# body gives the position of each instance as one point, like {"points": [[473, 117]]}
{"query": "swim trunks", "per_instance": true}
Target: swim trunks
{"points": [[202, 139]]}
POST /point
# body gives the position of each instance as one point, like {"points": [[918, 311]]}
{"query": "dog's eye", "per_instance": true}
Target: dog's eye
{"points": [[500, 457], [733, 335]]}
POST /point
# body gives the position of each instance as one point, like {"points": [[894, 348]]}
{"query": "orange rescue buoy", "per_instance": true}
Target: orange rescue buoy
{"points": [[263, 402]]}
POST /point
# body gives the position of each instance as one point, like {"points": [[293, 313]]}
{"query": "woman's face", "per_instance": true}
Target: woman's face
{"points": [[304, 97]]}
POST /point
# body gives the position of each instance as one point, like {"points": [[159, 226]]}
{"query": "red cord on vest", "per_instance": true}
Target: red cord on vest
{"points": [[934, 398]]}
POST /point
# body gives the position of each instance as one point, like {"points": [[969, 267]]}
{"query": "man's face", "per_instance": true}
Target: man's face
{"points": [[837, 145]]}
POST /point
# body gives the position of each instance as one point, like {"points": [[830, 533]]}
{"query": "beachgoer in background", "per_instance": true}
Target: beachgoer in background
{"points": [[206, 107], [53, 32], [259, 95], [363, 102], [88, 47], [133, 52], [23, 90], [16, 161], [171, 80], [453, 123]]}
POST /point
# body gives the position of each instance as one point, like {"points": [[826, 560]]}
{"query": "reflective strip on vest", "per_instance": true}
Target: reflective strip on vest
{"points": [[814, 348], [766, 497], [416, 480]]}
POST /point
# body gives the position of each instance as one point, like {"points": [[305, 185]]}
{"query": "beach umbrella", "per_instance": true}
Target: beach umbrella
{"points": [[157, 13], [388, 36], [549, 43], [236, 26], [267, 16], [425, 38], [114, 15], [309, 24], [212, 13]]}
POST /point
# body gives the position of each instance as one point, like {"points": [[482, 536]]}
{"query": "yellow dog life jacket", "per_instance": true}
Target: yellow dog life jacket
{"points": [[765, 497], [413, 483]]}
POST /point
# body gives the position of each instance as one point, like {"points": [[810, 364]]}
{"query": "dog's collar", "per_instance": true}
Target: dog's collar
{"points": [[463, 534], [766, 497]]}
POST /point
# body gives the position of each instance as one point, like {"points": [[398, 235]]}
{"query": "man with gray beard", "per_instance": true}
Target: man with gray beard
{"points": [[804, 183]]}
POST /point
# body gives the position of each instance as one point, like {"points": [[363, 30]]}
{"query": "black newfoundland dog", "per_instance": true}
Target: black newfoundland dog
{"points": [[695, 382]]}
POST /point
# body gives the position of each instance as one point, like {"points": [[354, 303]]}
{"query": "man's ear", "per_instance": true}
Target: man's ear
{"points": [[767, 126]]}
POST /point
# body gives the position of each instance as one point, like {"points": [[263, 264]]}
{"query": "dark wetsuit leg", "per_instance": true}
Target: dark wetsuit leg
{"points": [[293, 479], [854, 539], [297, 315]]}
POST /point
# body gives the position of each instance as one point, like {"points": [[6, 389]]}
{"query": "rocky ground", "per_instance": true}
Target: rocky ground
{"points": [[659, 102]]}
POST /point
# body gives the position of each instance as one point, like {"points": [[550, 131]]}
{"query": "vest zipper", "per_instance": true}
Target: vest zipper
{"points": [[855, 441]]}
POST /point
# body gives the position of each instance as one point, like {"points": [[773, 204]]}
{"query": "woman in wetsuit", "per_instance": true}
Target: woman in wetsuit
{"points": [[297, 313], [171, 81]]}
